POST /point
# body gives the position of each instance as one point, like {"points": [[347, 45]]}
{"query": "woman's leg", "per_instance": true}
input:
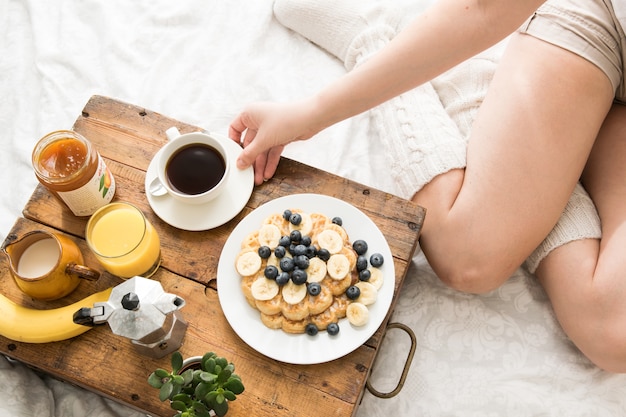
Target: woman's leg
{"points": [[528, 147], [586, 279]]}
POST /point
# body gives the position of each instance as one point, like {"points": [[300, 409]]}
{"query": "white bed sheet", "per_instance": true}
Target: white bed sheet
{"points": [[500, 354]]}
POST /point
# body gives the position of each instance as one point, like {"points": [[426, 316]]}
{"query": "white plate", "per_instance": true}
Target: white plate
{"points": [[302, 348], [196, 217]]}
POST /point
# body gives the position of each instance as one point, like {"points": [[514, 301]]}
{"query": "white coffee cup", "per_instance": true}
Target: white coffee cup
{"points": [[192, 167]]}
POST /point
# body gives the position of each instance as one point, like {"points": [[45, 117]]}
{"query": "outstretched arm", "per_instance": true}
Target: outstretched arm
{"points": [[443, 36]]}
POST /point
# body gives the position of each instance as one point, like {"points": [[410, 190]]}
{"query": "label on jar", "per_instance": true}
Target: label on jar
{"points": [[97, 192]]}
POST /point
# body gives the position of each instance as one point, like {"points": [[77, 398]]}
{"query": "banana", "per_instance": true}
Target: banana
{"points": [[248, 263], [369, 293], [264, 289], [293, 293], [30, 325], [305, 226], [358, 314], [330, 240], [316, 270], [338, 266], [342, 232], [269, 235], [376, 277]]}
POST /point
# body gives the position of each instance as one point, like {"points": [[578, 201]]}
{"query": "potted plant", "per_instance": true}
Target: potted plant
{"points": [[198, 386]]}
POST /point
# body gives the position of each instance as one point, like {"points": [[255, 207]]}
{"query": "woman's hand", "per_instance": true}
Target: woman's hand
{"points": [[263, 129]]}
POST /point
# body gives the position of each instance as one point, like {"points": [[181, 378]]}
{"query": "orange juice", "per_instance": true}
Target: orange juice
{"points": [[124, 241]]}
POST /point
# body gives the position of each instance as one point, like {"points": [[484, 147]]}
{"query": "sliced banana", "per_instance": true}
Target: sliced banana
{"points": [[358, 314], [342, 232], [316, 270], [338, 266], [292, 293], [264, 289], [305, 226], [376, 277], [248, 263], [330, 240], [369, 293], [269, 235]]}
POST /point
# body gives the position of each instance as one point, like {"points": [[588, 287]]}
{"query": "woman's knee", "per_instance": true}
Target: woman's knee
{"points": [[475, 276], [606, 345]]}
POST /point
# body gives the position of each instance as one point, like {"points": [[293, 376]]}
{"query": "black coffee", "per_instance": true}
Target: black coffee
{"points": [[195, 169]]}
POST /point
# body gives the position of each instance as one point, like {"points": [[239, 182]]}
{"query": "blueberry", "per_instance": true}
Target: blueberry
{"points": [[271, 272], [365, 275], [286, 264], [265, 252], [361, 263], [299, 250], [353, 292], [284, 241], [323, 254], [311, 329], [314, 288], [337, 221], [306, 240], [287, 214], [332, 329], [311, 251], [377, 260], [295, 236], [283, 278], [301, 261], [295, 219], [360, 247], [299, 276], [280, 251]]}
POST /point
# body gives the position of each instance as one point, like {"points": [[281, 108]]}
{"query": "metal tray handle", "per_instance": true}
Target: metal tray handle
{"points": [[407, 364]]}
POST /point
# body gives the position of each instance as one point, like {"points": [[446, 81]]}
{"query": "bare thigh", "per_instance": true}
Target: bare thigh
{"points": [[528, 147], [585, 279]]}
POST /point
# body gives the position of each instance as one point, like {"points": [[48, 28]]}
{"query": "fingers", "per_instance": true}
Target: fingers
{"points": [[259, 169], [272, 160], [248, 155]]}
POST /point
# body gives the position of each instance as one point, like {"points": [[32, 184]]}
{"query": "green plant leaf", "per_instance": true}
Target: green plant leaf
{"points": [[235, 385], [202, 389], [187, 376], [183, 398], [162, 373], [229, 395], [208, 365], [209, 399], [208, 377], [221, 409], [208, 355], [155, 381], [177, 362], [222, 362], [166, 390], [178, 380], [178, 405], [224, 375]]}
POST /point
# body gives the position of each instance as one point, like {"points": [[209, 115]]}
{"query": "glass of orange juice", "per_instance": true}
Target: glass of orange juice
{"points": [[124, 241]]}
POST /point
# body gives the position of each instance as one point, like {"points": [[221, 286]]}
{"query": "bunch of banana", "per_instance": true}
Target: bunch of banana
{"points": [[30, 325]]}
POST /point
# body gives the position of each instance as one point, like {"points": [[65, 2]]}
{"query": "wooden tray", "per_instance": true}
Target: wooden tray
{"points": [[127, 137]]}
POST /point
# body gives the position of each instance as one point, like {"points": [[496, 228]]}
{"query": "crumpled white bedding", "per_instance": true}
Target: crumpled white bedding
{"points": [[500, 354]]}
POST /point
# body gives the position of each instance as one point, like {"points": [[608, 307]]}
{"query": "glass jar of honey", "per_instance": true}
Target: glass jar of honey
{"points": [[69, 166]]}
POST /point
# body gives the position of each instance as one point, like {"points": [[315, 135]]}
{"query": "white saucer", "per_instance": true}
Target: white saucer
{"points": [[212, 214]]}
